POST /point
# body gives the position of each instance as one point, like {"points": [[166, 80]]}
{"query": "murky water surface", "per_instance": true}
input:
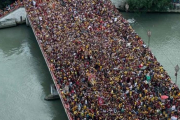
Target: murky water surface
{"points": [[24, 78]]}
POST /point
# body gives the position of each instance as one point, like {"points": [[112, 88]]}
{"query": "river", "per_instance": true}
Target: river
{"points": [[25, 79], [165, 37]]}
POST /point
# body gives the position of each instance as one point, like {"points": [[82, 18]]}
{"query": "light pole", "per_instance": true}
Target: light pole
{"points": [[149, 35], [176, 69], [127, 7]]}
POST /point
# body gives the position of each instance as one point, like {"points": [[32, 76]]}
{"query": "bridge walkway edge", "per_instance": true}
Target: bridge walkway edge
{"points": [[52, 75]]}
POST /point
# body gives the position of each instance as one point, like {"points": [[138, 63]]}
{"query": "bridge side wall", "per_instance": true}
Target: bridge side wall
{"points": [[52, 74]]}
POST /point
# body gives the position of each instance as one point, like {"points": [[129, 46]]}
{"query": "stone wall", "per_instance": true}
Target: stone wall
{"points": [[7, 23], [16, 15], [119, 3]]}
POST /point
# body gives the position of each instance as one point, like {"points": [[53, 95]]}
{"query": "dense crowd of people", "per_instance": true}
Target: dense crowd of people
{"points": [[10, 8], [101, 66]]}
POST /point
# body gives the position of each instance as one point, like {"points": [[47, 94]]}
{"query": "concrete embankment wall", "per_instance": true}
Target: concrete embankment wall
{"points": [[12, 19], [119, 3], [8, 23]]}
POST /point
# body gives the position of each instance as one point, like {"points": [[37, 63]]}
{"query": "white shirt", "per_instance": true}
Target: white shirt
{"points": [[34, 2], [173, 118], [173, 107], [115, 19], [86, 102]]}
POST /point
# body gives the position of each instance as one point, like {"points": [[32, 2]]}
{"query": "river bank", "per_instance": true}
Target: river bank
{"points": [[14, 18], [143, 11]]}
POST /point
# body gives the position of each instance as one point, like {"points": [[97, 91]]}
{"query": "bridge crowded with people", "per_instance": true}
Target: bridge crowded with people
{"points": [[101, 67]]}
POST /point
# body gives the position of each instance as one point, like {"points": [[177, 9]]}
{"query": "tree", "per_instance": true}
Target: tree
{"points": [[4, 3], [146, 5]]}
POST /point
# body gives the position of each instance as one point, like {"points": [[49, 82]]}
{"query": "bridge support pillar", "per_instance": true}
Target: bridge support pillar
{"points": [[54, 94], [27, 21]]}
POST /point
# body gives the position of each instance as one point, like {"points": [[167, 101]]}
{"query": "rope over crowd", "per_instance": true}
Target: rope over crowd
{"points": [[102, 68]]}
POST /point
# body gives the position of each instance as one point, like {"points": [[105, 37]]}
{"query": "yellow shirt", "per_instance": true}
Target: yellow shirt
{"points": [[130, 93], [84, 107], [75, 112], [120, 105]]}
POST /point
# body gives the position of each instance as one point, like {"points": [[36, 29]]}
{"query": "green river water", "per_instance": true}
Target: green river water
{"points": [[165, 37], [25, 79]]}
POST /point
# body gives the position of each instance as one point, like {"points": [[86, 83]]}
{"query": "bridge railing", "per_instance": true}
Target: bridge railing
{"points": [[51, 72]]}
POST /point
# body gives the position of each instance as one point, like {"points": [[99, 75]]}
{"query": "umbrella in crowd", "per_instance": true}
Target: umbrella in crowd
{"points": [[163, 97]]}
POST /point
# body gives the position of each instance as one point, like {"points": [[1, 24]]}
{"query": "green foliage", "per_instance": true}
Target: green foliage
{"points": [[4, 3], [146, 5]]}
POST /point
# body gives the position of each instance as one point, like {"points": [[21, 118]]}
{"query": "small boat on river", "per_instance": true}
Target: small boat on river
{"points": [[54, 94], [131, 20]]}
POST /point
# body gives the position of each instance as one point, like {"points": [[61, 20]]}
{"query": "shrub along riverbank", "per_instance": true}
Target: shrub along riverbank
{"points": [[149, 5], [5, 3]]}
